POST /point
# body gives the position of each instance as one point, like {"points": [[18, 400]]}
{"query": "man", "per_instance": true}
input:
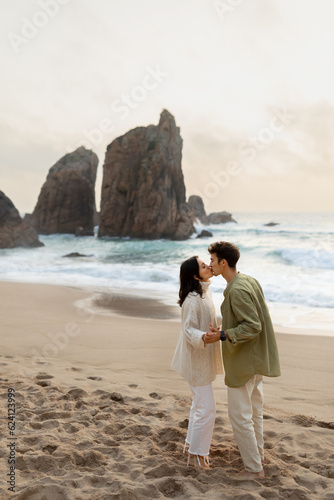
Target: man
{"points": [[249, 352]]}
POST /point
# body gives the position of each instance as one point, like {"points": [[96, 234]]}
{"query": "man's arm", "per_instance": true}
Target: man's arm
{"points": [[247, 316]]}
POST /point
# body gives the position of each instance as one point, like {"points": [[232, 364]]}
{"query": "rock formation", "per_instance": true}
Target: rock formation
{"points": [[143, 192], [204, 234], [196, 205], [66, 203], [271, 224], [14, 232], [220, 218]]}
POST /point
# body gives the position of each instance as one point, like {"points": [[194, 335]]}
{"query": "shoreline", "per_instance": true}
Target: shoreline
{"points": [[162, 307]]}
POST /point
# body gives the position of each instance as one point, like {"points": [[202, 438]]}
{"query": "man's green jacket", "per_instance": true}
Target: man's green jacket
{"points": [[251, 348]]}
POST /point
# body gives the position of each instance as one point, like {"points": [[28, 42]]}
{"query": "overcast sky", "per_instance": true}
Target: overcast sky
{"points": [[250, 83]]}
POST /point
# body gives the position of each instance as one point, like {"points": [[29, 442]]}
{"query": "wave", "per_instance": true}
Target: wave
{"points": [[307, 257]]}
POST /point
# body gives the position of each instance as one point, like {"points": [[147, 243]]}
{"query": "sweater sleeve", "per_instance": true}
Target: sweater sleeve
{"points": [[245, 311], [190, 323]]}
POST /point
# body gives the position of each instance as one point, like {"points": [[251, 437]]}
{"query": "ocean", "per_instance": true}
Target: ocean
{"points": [[293, 261]]}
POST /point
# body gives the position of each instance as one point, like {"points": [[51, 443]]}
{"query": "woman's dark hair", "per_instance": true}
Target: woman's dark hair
{"points": [[188, 270]]}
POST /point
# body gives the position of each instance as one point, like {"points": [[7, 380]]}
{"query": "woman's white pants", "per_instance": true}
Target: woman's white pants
{"points": [[245, 407], [201, 420]]}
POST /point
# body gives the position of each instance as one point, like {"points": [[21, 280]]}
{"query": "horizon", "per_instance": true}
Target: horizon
{"points": [[249, 85]]}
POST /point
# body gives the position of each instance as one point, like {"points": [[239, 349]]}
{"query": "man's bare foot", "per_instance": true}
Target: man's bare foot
{"points": [[245, 475]]}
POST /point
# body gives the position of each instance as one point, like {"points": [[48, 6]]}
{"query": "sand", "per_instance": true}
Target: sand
{"points": [[100, 414]]}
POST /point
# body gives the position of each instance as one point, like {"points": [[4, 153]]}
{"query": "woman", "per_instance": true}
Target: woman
{"points": [[197, 362]]}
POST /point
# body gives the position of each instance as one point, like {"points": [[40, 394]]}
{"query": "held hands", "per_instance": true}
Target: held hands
{"points": [[212, 336]]}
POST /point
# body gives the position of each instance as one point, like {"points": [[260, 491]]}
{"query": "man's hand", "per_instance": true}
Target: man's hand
{"points": [[212, 336]]}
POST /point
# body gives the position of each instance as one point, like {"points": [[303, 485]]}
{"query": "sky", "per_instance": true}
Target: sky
{"points": [[249, 82]]}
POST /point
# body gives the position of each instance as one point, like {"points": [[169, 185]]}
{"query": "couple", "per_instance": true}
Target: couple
{"points": [[249, 351]]}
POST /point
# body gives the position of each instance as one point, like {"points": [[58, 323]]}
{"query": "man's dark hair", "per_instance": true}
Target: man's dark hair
{"points": [[227, 251]]}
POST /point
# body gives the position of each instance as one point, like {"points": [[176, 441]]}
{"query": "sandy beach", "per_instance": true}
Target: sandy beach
{"points": [[99, 414]]}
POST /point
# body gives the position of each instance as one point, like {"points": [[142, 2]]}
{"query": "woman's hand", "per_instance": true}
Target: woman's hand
{"points": [[212, 336]]}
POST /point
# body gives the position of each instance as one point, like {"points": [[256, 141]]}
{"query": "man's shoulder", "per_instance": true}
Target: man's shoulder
{"points": [[244, 284]]}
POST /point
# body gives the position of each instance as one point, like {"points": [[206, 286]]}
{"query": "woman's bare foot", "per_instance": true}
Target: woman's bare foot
{"points": [[245, 475], [198, 461]]}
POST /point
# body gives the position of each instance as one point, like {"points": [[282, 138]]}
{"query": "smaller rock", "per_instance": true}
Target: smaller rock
{"points": [[270, 224], [204, 234], [220, 218], [196, 204], [76, 254], [15, 232]]}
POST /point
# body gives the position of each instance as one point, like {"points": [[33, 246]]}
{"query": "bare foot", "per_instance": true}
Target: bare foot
{"points": [[245, 475], [198, 461]]}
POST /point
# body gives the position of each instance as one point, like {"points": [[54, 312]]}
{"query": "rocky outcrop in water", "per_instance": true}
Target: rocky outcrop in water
{"points": [[271, 224], [14, 232], [143, 192], [196, 205], [66, 203]]}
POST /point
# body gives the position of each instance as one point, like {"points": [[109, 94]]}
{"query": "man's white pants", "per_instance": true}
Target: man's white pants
{"points": [[245, 408], [201, 420]]}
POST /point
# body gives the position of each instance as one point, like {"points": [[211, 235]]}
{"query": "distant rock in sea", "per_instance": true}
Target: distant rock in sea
{"points": [[271, 224], [76, 254], [66, 203], [196, 205], [220, 218], [143, 191], [14, 232], [204, 234]]}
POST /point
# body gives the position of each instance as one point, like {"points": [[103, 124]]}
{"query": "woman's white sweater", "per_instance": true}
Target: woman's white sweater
{"points": [[196, 362]]}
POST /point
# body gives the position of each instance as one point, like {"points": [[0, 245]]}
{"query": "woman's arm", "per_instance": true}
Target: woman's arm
{"points": [[190, 322]]}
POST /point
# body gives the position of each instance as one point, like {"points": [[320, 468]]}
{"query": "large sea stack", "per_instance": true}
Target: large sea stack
{"points": [[66, 203], [143, 192], [14, 232]]}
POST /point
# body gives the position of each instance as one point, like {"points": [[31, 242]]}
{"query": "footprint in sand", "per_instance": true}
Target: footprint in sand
{"points": [[303, 420], [160, 471], [70, 428], [154, 395], [43, 376], [115, 396], [171, 488], [49, 448], [41, 491], [184, 424], [44, 383]]}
